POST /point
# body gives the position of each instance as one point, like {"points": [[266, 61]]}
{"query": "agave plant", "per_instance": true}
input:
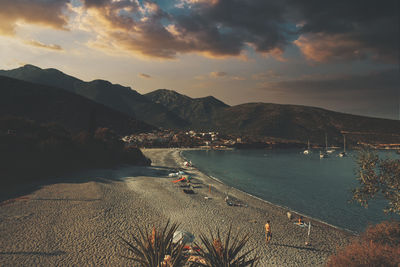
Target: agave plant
{"points": [[155, 247], [227, 253]]}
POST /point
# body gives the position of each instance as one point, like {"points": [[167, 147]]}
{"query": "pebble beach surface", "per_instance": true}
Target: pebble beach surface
{"points": [[77, 220]]}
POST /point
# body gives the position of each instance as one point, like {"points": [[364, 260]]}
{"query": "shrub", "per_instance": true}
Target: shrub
{"points": [[156, 247], [378, 246], [225, 253]]}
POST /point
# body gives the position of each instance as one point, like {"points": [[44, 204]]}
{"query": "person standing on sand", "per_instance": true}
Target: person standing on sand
{"points": [[268, 233]]}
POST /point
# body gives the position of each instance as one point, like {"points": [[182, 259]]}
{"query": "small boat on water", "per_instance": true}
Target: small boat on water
{"points": [[324, 154], [308, 150], [343, 153], [330, 151]]}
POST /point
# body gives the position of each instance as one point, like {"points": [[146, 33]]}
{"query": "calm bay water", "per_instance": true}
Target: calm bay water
{"points": [[320, 188]]}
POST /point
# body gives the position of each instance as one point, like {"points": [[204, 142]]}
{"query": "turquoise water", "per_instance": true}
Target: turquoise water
{"points": [[320, 188]]}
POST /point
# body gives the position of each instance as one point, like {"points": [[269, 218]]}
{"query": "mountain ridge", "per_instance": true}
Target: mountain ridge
{"points": [[118, 97], [294, 122], [46, 104], [199, 112]]}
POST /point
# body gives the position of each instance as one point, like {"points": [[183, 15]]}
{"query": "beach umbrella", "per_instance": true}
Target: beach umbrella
{"points": [[183, 237]]}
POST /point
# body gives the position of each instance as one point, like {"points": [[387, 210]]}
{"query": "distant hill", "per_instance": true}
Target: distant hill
{"points": [[115, 96], [49, 104], [291, 122], [302, 123], [200, 112]]}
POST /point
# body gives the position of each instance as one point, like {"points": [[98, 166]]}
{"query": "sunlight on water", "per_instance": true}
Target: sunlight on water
{"points": [[320, 188]]}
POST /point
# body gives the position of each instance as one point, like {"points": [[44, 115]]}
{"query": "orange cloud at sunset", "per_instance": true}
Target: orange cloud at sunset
{"points": [[217, 74], [323, 48], [42, 45], [144, 75], [47, 13]]}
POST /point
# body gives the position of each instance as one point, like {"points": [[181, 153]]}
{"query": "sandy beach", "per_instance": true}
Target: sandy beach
{"points": [[77, 219]]}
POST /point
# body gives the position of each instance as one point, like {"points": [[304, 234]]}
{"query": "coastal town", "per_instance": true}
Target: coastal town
{"points": [[169, 138], [207, 140]]}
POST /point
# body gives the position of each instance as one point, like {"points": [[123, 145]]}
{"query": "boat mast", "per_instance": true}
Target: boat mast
{"points": [[326, 142], [344, 143]]}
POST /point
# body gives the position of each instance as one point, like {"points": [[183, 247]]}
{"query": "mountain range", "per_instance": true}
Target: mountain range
{"points": [[46, 104], [169, 109], [114, 96]]}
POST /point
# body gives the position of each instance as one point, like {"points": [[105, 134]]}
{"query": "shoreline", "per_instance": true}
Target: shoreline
{"points": [[259, 210], [77, 219], [270, 203]]}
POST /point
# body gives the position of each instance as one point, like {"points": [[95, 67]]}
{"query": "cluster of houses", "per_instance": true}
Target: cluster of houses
{"points": [[207, 140], [178, 138]]}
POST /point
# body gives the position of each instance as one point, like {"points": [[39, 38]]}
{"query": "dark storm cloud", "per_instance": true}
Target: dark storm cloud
{"points": [[226, 26], [349, 29]]}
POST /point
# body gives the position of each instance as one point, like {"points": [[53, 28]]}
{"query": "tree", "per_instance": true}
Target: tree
{"points": [[378, 176]]}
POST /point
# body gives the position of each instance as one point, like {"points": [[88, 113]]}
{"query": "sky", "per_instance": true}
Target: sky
{"points": [[340, 55]]}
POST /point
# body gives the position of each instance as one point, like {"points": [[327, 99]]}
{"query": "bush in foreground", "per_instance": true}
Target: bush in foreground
{"points": [[156, 247], [227, 252], [379, 245]]}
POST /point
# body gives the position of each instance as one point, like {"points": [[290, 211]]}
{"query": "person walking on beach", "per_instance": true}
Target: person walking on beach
{"points": [[268, 233]]}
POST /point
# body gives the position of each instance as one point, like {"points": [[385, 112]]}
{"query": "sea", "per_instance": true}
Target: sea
{"points": [[314, 187]]}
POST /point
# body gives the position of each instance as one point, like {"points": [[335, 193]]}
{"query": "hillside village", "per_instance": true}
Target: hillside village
{"points": [[216, 140], [207, 140]]}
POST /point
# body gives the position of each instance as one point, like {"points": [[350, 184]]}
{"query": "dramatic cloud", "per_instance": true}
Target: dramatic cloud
{"points": [[348, 30], [324, 31], [48, 13], [205, 27], [338, 30], [374, 93], [42, 45], [144, 75]]}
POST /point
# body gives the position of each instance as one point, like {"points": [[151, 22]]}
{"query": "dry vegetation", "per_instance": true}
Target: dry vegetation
{"points": [[378, 246]]}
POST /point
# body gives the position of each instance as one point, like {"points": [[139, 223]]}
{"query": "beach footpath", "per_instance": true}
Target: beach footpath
{"points": [[78, 219]]}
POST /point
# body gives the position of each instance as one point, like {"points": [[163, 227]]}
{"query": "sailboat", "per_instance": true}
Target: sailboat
{"points": [[324, 154], [307, 151], [329, 151], [343, 154]]}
